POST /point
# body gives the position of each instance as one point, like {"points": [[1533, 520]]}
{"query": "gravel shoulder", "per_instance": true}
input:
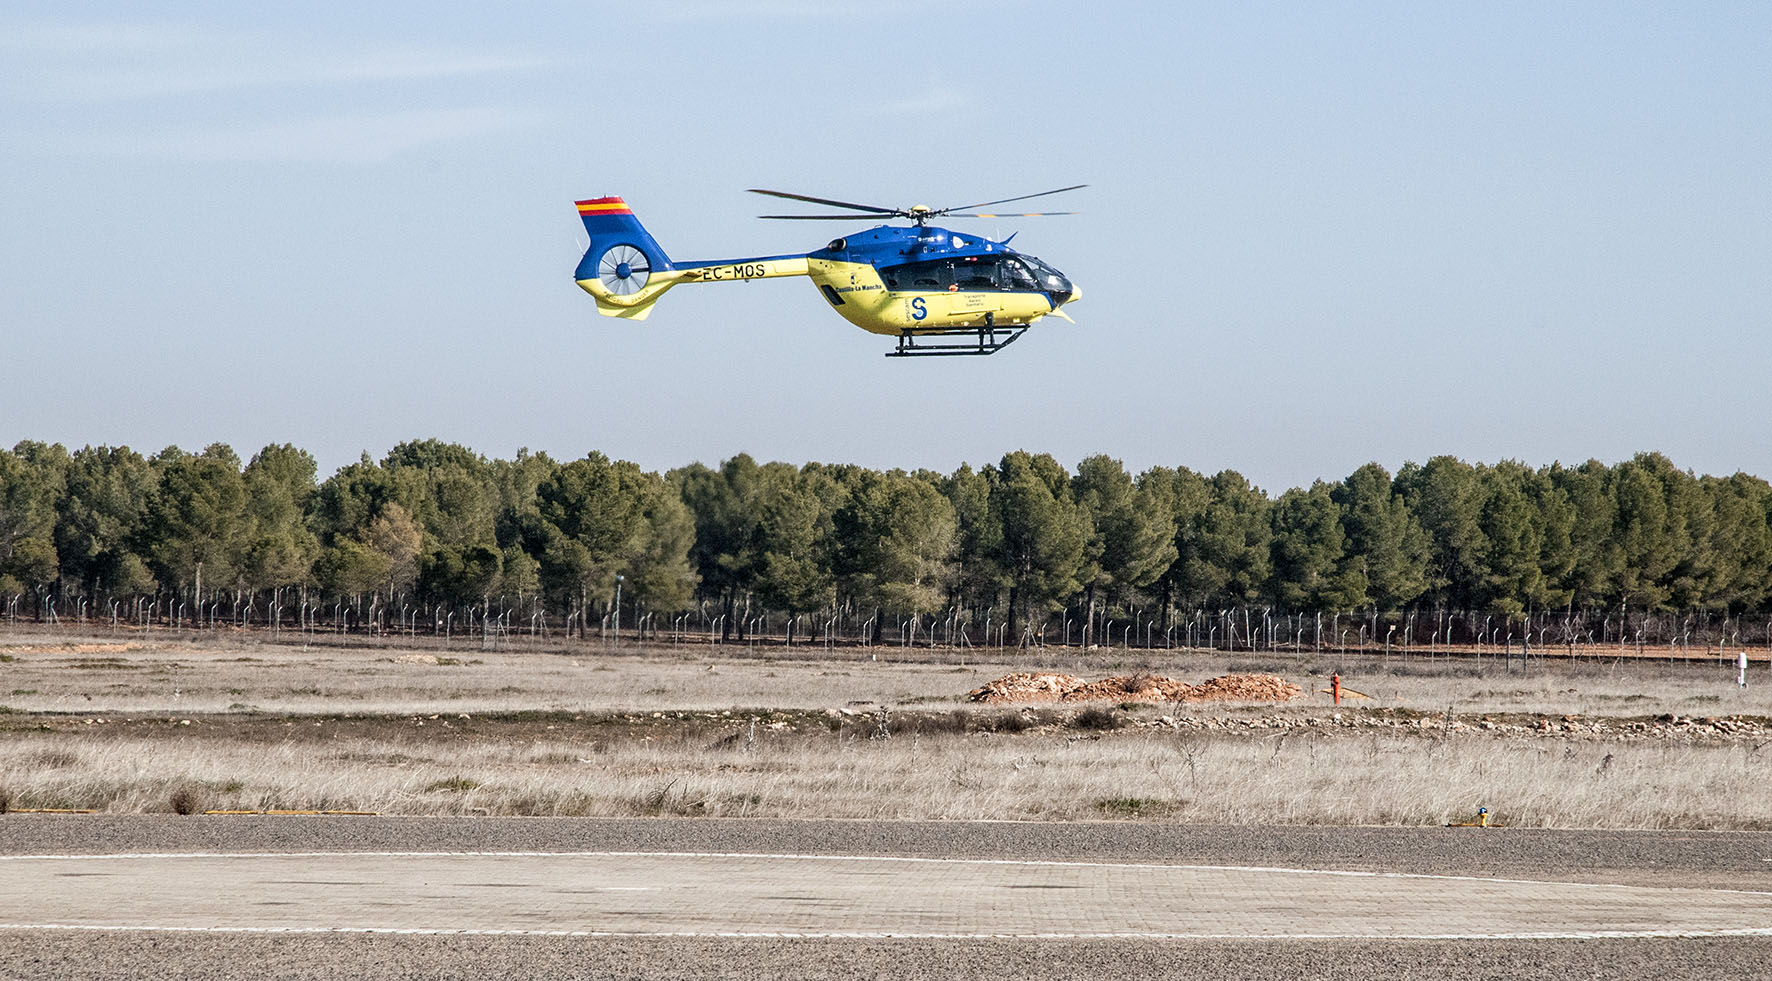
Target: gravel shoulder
{"points": [[101, 957]]}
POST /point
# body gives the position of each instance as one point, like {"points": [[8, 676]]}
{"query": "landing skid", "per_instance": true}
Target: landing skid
{"points": [[979, 341]]}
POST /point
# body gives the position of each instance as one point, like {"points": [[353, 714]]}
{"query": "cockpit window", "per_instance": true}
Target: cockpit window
{"points": [[1016, 276]]}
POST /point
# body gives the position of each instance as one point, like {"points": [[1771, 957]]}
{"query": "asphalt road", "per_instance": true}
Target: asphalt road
{"points": [[1730, 860], [372, 897]]}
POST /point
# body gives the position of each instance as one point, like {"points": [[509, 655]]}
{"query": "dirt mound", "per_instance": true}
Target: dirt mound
{"points": [[1052, 687], [1026, 687], [1130, 688], [1244, 688]]}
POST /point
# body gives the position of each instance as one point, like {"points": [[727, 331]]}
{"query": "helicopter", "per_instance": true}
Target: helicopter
{"points": [[938, 292]]}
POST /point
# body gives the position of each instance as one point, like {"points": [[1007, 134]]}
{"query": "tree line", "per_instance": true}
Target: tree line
{"points": [[434, 528]]}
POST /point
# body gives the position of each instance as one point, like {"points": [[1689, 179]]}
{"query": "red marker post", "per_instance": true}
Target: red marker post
{"points": [[1335, 687]]}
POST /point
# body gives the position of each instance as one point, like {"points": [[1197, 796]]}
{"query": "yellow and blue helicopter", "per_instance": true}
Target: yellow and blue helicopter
{"points": [[924, 285]]}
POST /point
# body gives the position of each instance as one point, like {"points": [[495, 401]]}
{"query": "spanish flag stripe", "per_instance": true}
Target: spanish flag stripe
{"points": [[604, 206]]}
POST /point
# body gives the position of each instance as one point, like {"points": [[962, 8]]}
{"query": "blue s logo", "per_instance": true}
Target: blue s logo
{"points": [[918, 311]]}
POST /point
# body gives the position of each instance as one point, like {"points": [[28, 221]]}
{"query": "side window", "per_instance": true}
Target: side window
{"points": [[976, 273], [1016, 276], [936, 275]]}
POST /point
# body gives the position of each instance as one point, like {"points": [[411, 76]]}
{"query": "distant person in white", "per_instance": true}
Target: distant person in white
{"points": [[1741, 669]]}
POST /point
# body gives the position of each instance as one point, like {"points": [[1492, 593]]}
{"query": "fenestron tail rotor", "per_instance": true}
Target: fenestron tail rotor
{"points": [[623, 270], [920, 214]]}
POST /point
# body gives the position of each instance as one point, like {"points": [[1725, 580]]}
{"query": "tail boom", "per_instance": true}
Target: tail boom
{"points": [[730, 270]]}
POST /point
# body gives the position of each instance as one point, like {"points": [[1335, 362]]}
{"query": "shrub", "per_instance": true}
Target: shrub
{"points": [[672, 798], [1131, 806], [727, 741], [186, 800], [1098, 717], [1011, 722], [1133, 684], [958, 722]]}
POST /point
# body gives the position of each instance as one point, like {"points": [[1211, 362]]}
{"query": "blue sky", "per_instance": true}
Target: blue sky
{"points": [[1312, 238]]}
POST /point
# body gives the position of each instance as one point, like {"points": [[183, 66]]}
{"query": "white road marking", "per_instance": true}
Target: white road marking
{"points": [[893, 935]]}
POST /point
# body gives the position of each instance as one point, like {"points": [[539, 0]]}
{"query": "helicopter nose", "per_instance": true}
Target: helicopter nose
{"points": [[1076, 294]]}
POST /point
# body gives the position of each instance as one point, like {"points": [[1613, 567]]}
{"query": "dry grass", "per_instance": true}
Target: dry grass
{"points": [[928, 772]]}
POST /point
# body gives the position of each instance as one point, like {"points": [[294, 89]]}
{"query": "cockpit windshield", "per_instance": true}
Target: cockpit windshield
{"points": [[1050, 279]]}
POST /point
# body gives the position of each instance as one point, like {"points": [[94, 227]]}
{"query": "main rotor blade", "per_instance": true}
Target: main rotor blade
{"points": [[1025, 214], [835, 204], [862, 217], [1024, 197]]}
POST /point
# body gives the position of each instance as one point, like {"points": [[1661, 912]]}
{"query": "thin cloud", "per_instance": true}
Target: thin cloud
{"points": [[105, 37], [355, 138], [117, 62], [419, 63]]}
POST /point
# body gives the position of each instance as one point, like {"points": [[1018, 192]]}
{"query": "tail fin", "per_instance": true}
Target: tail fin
{"points": [[624, 269]]}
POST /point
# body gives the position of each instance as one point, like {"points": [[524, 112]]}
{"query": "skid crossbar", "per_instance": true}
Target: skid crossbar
{"points": [[979, 341]]}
